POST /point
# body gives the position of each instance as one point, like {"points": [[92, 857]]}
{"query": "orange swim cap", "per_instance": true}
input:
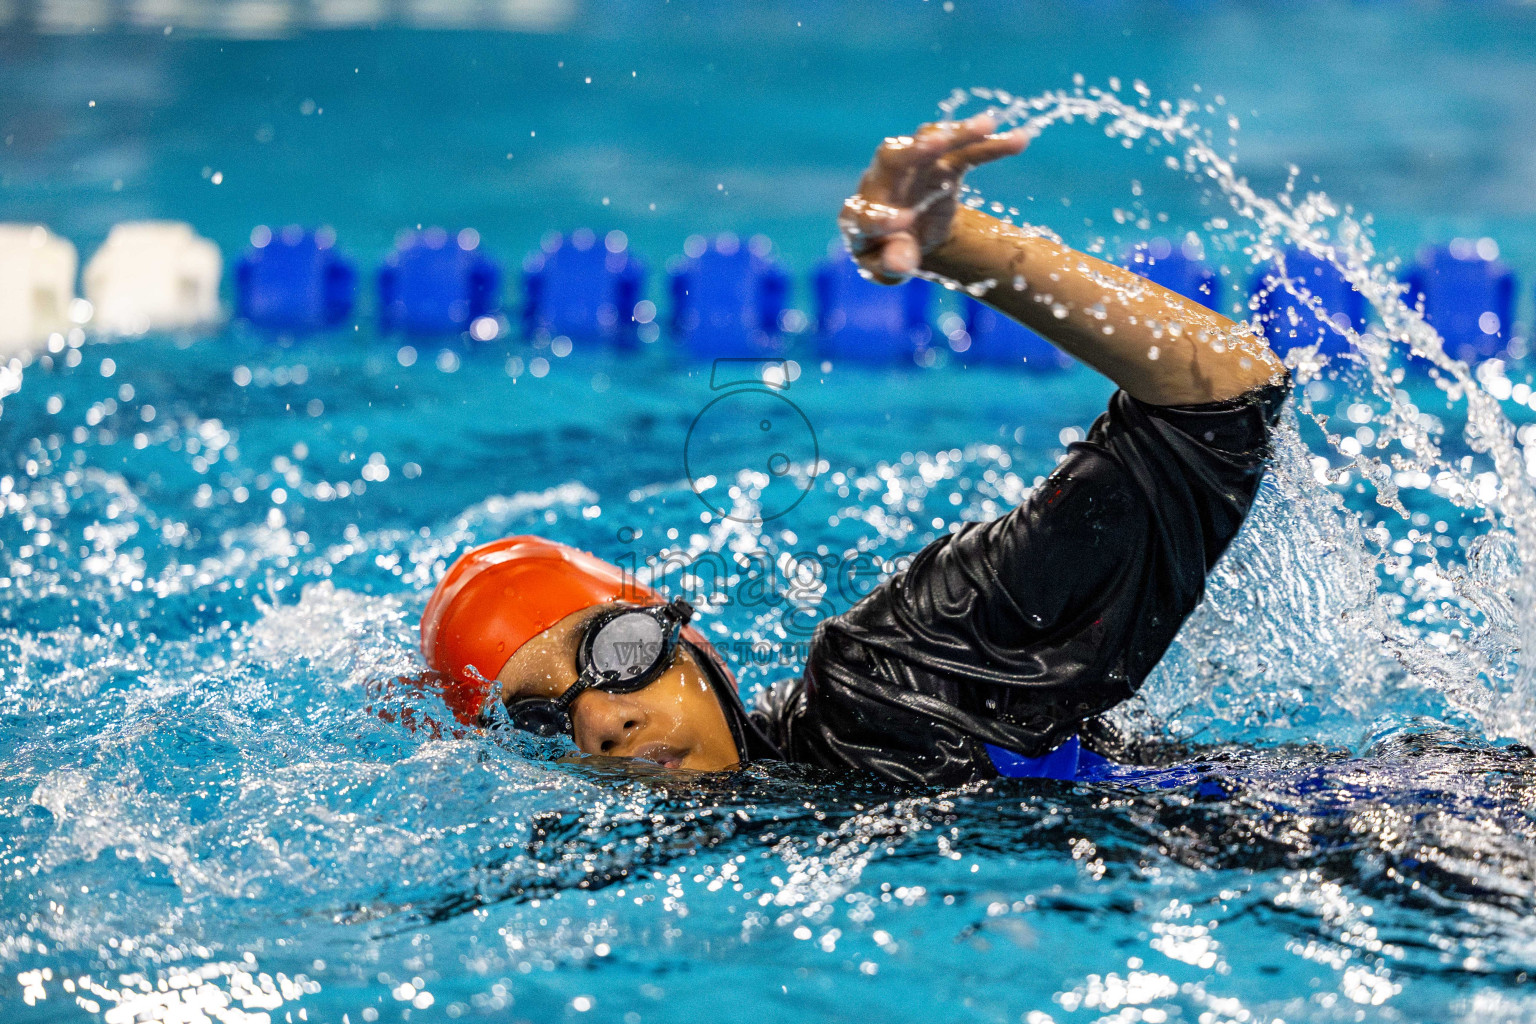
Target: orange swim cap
{"points": [[499, 596]]}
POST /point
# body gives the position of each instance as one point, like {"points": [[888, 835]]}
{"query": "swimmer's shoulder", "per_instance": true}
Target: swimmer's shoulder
{"points": [[777, 707]]}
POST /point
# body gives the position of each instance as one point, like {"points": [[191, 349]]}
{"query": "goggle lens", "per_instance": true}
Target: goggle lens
{"points": [[627, 648], [540, 717]]}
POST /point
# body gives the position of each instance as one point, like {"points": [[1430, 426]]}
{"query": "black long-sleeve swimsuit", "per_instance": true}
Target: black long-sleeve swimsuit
{"points": [[1016, 631]]}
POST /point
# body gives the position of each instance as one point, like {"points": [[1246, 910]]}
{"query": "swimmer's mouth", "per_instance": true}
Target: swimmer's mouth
{"points": [[660, 753]]}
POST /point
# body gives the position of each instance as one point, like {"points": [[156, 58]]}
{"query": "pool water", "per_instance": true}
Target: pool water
{"points": [[198, 628], [215, 549]]}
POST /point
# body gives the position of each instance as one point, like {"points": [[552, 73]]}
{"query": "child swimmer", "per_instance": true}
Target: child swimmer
{"points": [[1005, 636]]}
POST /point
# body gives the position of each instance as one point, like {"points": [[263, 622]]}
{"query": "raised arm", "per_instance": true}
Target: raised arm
{"points": [[906, 220]]}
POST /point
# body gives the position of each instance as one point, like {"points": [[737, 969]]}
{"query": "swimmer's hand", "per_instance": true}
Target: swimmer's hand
{"points": [[906, 202]]}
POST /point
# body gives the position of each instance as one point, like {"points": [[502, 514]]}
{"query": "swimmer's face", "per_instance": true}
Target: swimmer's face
{"points": [[676, 721]]}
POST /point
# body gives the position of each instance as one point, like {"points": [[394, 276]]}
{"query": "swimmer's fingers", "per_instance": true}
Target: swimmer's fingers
{"points": [[866, 224], [883, 247], [907, 196], [985, 150], [931, 142], [872, 267], [947, 136], [908, 168], [896, 259], [973, 130]]}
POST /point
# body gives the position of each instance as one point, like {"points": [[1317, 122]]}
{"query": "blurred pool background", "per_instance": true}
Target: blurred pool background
{"points": [[747, 118], [215, 546]]}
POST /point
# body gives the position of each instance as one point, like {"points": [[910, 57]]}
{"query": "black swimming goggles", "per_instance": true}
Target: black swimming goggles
{"points": [[621, 650]]}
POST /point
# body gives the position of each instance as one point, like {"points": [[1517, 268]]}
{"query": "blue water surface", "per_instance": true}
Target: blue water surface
{"points": [[215, 549]]}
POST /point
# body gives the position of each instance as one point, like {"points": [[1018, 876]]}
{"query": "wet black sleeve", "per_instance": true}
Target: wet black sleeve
{"points": [[1013, 632]]}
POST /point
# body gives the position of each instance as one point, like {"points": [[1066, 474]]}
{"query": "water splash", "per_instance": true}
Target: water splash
{"points": [[223, 991], [1456, 629]]}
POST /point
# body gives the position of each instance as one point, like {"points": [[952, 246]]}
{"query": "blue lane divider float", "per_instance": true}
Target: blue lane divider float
{"points": [[582, 287], [999, 339], [1177, 268], [1468, 296], [727, 297], [434, 283], [294, 280], [1289, 324], [860, 320]]}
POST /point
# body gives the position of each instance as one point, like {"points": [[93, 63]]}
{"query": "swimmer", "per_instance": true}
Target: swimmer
{"points": [[1011, 635]]}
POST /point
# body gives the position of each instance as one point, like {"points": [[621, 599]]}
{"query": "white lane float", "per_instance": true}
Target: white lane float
{"points": [[37, 287], [153, 276]]}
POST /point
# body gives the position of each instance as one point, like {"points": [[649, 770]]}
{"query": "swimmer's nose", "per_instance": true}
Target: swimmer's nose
{"points": [[606, 722]]}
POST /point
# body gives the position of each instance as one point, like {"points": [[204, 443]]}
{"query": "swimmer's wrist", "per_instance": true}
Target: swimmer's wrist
{"points": [[970, 250]]}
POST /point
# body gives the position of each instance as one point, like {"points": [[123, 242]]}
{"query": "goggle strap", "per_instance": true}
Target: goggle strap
{"points": [[576, 689]]}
